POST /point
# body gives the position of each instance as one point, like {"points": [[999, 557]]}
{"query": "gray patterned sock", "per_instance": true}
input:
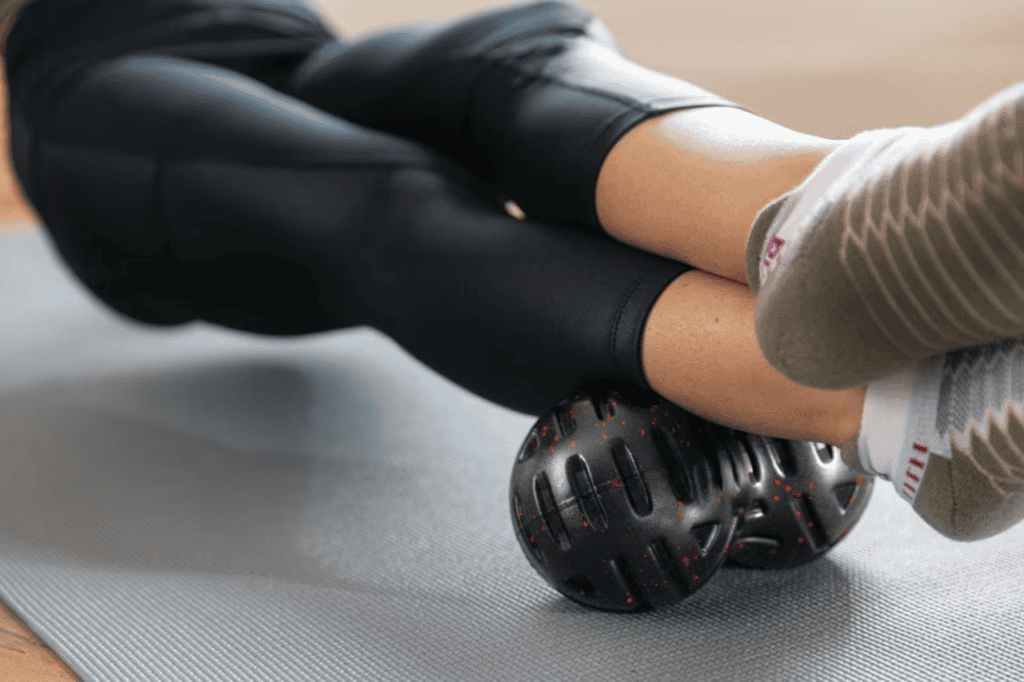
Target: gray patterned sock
{"points": [[949, 434]]}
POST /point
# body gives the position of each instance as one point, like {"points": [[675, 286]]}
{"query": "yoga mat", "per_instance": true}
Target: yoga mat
{"points": [[197, 504]]}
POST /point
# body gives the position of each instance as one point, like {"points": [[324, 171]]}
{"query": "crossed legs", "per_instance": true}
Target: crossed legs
{"points": [[687, 185]]}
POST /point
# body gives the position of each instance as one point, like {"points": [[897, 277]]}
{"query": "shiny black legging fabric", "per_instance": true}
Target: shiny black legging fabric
{"points": [[180, 180]]}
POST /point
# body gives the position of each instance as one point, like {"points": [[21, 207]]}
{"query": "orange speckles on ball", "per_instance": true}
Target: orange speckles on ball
{"points": [[777, 481], [776, 497], [788, 488], [604, 436]]}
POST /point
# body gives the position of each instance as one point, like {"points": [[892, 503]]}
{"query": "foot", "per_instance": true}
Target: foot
{"points": [[949, 434], [902, 244]]}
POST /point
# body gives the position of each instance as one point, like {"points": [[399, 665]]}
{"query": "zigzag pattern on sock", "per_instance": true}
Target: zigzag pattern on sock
{"points": [[981, 385], [936, 246], [963, 469], [979, 490]]}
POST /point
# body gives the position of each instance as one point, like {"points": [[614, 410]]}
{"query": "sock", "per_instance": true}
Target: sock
{"points": [[949, 434]]}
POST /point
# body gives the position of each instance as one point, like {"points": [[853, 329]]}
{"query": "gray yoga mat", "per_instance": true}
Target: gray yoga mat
{"points": [[196, 504]]}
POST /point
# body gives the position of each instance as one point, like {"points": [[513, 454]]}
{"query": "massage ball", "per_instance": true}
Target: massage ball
{"points": [[627, 502], [797, 500], [618, 505]]}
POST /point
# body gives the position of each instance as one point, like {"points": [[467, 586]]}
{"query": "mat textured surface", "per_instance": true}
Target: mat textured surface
{"points": [[202, 505]]}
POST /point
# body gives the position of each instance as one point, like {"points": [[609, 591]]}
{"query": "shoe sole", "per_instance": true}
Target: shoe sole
{"points": [[926, 258]]}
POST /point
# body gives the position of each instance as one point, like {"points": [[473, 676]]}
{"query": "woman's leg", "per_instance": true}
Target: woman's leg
{"points": [[550, 143], [919, 235], [178, 190], [227, 201], [688, 184], [700, 352]]}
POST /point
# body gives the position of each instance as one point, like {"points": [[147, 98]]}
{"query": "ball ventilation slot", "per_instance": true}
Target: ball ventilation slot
{"points": [[812, 522], [671, 452], [663, 559], [845, 494], [636, 487], [549, 511], [582, 483]]}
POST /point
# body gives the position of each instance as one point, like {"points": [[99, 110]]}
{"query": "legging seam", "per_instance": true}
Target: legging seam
{"points": [[619, 314]]}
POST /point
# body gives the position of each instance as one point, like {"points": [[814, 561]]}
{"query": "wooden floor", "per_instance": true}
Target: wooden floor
{"points": [[825, 68], [24, 657]]}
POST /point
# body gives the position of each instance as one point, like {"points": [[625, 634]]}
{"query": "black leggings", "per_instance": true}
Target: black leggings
{"points": [[180, 181]]}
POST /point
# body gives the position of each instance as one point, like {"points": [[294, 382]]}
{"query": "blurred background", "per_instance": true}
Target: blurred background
{"points": [[826, 67]]}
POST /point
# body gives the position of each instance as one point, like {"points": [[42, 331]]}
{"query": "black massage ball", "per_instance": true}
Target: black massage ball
{"points": [[631, 503], [798, 499], [618, 505]]}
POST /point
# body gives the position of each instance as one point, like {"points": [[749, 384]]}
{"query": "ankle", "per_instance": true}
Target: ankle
{"points": [[847, 423]]}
